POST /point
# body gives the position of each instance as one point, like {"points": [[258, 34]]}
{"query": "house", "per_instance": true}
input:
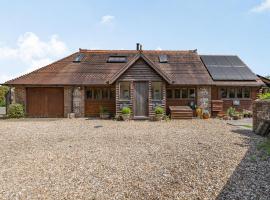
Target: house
{"points": [[266, 88], [141, 79]]}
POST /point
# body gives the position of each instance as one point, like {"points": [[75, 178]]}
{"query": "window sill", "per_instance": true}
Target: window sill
{"points": [[124, 100]]}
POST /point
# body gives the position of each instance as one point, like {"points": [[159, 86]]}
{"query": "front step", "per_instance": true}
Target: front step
{"points": [[181, 112]]}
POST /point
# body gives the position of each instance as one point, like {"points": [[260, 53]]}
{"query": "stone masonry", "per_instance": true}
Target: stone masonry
{"points": [[261, 111]]}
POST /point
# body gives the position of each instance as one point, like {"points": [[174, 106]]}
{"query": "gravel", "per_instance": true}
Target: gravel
{"points": [[95, 159]]}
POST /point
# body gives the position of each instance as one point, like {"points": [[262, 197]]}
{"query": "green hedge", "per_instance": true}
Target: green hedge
{"points": [[15, 111], [3, 92]]}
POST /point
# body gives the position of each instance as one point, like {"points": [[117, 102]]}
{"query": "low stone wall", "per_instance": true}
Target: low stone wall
{"points": [[261, 111]]}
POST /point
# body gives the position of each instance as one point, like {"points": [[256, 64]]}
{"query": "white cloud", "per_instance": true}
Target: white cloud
{"points": [[31, 51], [107, 19], [159, 49], [263, 6]]}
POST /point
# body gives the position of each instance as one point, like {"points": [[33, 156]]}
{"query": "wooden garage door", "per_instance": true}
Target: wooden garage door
{"points": [[45, 102]]}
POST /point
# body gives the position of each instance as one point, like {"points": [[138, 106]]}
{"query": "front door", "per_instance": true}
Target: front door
{"points": [[141, 99]]}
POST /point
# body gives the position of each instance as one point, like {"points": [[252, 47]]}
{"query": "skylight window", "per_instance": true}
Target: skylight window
{"points": [[117, 59], [79, 57], [163, 58]]}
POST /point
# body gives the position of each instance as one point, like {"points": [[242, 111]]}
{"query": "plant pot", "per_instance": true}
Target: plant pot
{"points": [[104, 115], [125, 117], [226, 117], [206, 116], [158, 117], [236, 117]]}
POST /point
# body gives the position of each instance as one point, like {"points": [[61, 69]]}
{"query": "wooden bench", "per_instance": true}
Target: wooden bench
{"points": [[181, 112]]}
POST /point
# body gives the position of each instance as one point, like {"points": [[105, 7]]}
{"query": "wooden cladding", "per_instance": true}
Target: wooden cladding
{"points": [[45, 102], [140, 71], [96, 97]]}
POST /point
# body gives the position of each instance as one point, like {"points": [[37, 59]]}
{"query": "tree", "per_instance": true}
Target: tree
{"points": [[3, 92]]}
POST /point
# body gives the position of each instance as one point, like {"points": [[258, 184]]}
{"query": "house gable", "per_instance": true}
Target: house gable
{"points": [[139, 71], [140, 68]]}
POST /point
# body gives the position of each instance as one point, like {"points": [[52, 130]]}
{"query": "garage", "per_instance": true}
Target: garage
{"points": [[45, 102]]}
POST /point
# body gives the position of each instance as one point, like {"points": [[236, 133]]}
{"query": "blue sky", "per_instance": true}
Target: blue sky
{"points": [[35, 33]]}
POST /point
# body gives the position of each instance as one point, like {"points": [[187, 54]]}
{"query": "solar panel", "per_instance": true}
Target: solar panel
{"points": [[117, 59], [79, 57], [227, 68], [163, 58]]}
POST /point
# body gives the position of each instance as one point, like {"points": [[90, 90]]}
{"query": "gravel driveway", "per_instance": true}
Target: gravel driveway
{"points": [[94, 159]]}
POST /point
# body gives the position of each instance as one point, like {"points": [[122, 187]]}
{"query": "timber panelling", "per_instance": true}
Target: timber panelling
{"points": [[140, 71]]}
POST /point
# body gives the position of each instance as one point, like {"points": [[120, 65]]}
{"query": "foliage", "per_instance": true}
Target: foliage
{"points": [[231, 111], [265, 96], [3, 92], [126, 110], [159, 110], [103, 110], [15, 111], [265, 146]]}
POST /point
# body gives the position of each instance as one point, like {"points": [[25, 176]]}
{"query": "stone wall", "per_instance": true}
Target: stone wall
{"points": [[78, 101], [67, 100], [261, 111], [204, 97], [20, 96]]}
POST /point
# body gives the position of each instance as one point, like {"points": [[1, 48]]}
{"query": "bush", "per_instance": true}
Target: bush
{"points": [[126, 110], [159, 110], [265, 96], [231, 111], [15, 111], [3, 92]]}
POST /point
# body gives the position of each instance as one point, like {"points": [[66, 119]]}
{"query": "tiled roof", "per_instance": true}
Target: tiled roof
{"points": [[182, 68]]}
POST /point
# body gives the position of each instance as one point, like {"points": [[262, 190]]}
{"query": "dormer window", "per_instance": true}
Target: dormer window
{"points": [[117, 59], [79, 57], [163, 58]]}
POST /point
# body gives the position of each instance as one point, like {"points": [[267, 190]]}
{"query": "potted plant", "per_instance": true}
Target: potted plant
{"points": [[199, 112], [206, 114], [125, 113], [231, 111], [159, 113], [236, 116], [103, 113]]}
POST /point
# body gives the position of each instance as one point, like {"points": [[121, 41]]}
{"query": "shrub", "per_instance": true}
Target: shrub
{"points": [[126, 110], [15, 111], [3, 92], [231, 111], [265, 96], [103, 109], [159, 110]]}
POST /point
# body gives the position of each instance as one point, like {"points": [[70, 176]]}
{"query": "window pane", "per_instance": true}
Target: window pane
{"points": [[191, 93], [124, 90], [246, 93], [156, 91], [184, 93], [89, 94], [223, 93], [177, 93], [97, 94], [239, 92], [231, 93], [169, 94], [104, 93]]}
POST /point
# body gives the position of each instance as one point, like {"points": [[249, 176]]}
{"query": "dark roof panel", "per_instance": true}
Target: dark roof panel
{"points": [[230, 68]]}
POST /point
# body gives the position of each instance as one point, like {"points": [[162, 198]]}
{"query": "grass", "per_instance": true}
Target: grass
{"points": [[247, 126], [265, 146]]}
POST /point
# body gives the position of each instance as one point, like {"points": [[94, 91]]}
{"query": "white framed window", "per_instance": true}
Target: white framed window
{"points": [[156, 90], [124, 90]]}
